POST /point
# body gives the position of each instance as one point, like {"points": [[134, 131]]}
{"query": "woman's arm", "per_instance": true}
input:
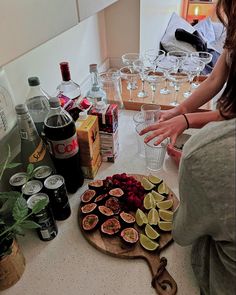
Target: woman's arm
{"points": [[205, 92]]}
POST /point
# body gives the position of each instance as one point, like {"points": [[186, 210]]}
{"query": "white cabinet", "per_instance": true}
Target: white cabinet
{"points": [[89, 7], [25, 24]]}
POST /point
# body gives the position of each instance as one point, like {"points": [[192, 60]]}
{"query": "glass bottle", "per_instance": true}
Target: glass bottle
{"points": [[33, 149], [37, 103], [95, 93], [61, 137]]}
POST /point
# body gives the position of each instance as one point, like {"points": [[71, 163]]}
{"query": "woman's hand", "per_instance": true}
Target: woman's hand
{"points": [[168, 114], [174, 153], [171, 128]]}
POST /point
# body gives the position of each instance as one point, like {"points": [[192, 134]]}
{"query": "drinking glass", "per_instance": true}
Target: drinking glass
{"points": [[177, 79], [154, 77], [140, 139], [153, 56], [140, 66], [203, 56], [167, 64], [131, 76], [155, 154], [151, 113], [128, 59], [181, 55], [192, 68], [138, 118]]}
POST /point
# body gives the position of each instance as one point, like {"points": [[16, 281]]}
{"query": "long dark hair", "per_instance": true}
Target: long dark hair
{"points": [[226, 12]]}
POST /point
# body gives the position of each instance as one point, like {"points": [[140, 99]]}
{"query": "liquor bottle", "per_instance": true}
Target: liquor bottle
{"points": [[61, 137], [95, 93], [37, 103], [33, 149], [68, 92]]}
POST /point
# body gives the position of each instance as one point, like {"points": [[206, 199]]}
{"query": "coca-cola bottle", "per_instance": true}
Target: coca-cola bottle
{"points": [[61, 137]]}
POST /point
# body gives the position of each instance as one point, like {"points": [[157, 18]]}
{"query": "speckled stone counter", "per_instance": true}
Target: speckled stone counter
{"points": [[68, 265]]}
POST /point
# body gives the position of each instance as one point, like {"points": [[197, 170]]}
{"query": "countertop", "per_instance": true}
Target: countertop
{"points": [[68, 265]]}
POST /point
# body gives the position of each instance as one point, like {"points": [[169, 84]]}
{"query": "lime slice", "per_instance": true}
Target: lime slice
{"points": [[147, 185], [147, 243], [150, 232], [141, 217], [165, 204], [165, 225], [149, 202], [153, 217], [154, 179], [166, 215], [157, 196], [163, 189]]}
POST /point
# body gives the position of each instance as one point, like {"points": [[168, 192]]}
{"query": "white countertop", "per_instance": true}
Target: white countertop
{"points": [[68, 265]]}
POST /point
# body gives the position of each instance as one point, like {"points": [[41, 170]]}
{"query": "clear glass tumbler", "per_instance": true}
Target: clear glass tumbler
{"points": [[151, 112], [155, 154], [140, 139]]}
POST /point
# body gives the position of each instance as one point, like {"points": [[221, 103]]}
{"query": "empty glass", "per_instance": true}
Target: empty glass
{"points": [[155, 154], [140, 66], [177, 79], [131, 76], [138, 118], [154, 77], [151, 113], [140, 139], [153, 56], [128, 59]]}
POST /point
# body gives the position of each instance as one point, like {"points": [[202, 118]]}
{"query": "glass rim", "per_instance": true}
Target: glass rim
{"points": [[158, 107]]}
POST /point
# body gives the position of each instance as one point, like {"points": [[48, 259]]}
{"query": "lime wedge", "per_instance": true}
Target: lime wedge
{"points": [[140, 217], [157, 196], [147, 243], [147, 185], [150, 232], [165, 204], [153, 217], [149, 202], [165, 225], [163, 189], [154, 179], [166, 215]]}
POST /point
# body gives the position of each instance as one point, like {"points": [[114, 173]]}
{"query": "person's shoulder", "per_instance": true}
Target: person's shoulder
{"points": [[210, 137]]}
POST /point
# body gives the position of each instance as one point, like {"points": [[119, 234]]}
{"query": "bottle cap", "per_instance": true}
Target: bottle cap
{"points": [[83, 115], [93, 68], [100, 105], [33, 81], [54, 102], [85, 103], [21, 109], [65, 71]]}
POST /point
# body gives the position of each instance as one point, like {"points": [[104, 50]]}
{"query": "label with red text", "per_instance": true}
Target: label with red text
{"points": [[64, 149]]}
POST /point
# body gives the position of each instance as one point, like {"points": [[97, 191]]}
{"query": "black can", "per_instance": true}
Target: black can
{"points": [[42, 172], [32, 187], [48, 228], [56, 190], [18, 180]]}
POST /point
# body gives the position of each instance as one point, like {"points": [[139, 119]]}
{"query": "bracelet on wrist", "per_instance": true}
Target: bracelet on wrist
{"points": [[186, 119]]}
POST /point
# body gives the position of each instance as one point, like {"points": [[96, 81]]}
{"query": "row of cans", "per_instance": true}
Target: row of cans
{"points": [[44, 185]]}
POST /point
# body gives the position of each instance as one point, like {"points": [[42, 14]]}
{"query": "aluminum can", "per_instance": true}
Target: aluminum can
{"points": [[32, 187], [56, 190], [48, 227], [42, 172], [17, 180]]}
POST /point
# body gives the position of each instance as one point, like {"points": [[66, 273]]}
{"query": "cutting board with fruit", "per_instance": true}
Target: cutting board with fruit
{"points": [[130, 216]]}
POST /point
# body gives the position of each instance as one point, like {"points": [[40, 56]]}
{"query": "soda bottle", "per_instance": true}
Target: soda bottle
{"points": [[33, 149], [61, 137], [37, 103]]}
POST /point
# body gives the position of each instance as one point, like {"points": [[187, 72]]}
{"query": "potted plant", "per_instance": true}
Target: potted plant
{"points": [[14, 218]]}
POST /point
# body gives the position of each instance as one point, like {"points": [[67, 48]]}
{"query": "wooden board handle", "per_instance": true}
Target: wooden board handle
{"points": [[162, 281]]}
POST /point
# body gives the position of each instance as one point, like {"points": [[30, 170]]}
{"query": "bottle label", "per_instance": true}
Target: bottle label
{"points": [[64, 149], [39, 153]]}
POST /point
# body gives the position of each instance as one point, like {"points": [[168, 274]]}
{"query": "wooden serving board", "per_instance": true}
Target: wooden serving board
{"points": [[162, 280]]}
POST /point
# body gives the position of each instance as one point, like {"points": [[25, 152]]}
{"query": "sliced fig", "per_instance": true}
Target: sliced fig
{"points": [[105, 212], [116, 192], [100, 198], [127, 219], [96, 185], [88, 208], [114, 204], [111, 226], [90, 222], [130, 235], [88, 195]]}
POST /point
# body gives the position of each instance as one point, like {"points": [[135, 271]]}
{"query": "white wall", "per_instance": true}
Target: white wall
{"points": [[154, 17], [122, 29]]}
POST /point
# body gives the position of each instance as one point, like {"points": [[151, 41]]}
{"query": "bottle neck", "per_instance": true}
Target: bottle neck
{"points": [[95, 81], [65, 71]]}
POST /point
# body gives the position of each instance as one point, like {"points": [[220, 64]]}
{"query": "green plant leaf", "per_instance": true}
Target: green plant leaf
{"points": [[12, 165], [39, 205], [20, 209], [7, 206], [29, 224], [18, 230], [11, 194], [30, 169]]}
